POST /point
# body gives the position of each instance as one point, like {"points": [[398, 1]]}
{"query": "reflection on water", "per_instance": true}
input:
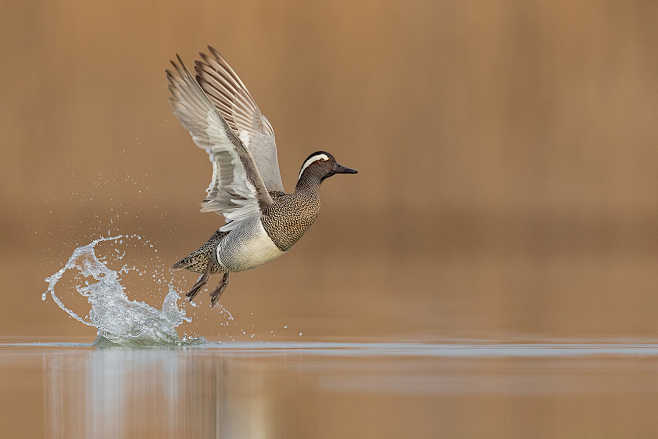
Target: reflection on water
{"points": [[329, 390]]}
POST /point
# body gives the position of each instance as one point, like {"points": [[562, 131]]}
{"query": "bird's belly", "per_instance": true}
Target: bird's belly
{"points": [[247, 247]]}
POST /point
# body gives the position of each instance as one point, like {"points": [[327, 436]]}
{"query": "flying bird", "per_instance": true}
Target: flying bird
{"points": [[262, 221]]}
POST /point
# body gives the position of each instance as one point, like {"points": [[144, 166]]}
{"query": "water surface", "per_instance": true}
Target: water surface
{"points": [[71, 389], [140, 378]]}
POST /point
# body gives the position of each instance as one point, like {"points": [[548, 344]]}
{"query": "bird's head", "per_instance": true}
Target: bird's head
{"points": [[321, 165]]}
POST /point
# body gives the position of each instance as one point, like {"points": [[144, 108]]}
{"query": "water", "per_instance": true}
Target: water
{"points": [[119, 320], [67, 389], [140, 378]]}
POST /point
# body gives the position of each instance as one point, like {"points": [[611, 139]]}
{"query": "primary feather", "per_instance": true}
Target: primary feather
{"points": [[236, 190], [230, 96]]}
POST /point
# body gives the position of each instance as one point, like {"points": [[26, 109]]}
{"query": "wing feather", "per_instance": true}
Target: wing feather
{"points": [[234, 103], [236, 190]]}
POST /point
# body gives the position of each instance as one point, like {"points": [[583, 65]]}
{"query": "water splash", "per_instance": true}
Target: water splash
{"points": [[119, 320]]}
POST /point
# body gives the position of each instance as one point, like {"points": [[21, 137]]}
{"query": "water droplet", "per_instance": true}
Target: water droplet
{"points": [[118, 319]]}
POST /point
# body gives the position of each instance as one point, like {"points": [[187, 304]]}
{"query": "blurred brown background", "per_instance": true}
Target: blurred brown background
{"points": [[507, 153]]}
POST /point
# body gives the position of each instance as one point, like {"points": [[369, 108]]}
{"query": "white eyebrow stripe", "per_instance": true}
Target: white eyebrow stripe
{"points": [[315, 158]]}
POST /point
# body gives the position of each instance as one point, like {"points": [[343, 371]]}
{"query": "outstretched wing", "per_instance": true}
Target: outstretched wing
{"points": [[236, 106], [236, 190]]}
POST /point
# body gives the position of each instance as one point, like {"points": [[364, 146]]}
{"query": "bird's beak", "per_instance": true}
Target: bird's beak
{"points": [[340, 169]]}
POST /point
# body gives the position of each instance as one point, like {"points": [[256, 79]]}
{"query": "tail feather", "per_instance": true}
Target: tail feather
{"points": [[196, 261], [200, 259]]}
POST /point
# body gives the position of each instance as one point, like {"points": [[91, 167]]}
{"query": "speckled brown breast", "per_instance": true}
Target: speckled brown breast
{"points": [[290, 217]]}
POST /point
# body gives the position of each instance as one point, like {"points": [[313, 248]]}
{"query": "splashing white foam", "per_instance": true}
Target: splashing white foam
{"points": [[119, 320]]}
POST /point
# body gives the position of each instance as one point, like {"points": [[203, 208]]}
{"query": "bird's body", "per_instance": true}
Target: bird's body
{"points": [[262, 220]]}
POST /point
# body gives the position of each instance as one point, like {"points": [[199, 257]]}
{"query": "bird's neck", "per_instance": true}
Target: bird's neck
{"points": [[308, 182]]}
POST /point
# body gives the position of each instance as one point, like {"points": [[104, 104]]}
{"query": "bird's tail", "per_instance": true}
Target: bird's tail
{"points": [[199, 260], [196, 261]]}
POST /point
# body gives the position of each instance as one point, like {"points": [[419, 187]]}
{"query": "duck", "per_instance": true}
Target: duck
{"points": [[262, 220]]}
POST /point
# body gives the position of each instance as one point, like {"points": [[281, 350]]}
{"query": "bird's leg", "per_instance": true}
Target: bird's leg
{"points": [[197, 286], [214, 296]]}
